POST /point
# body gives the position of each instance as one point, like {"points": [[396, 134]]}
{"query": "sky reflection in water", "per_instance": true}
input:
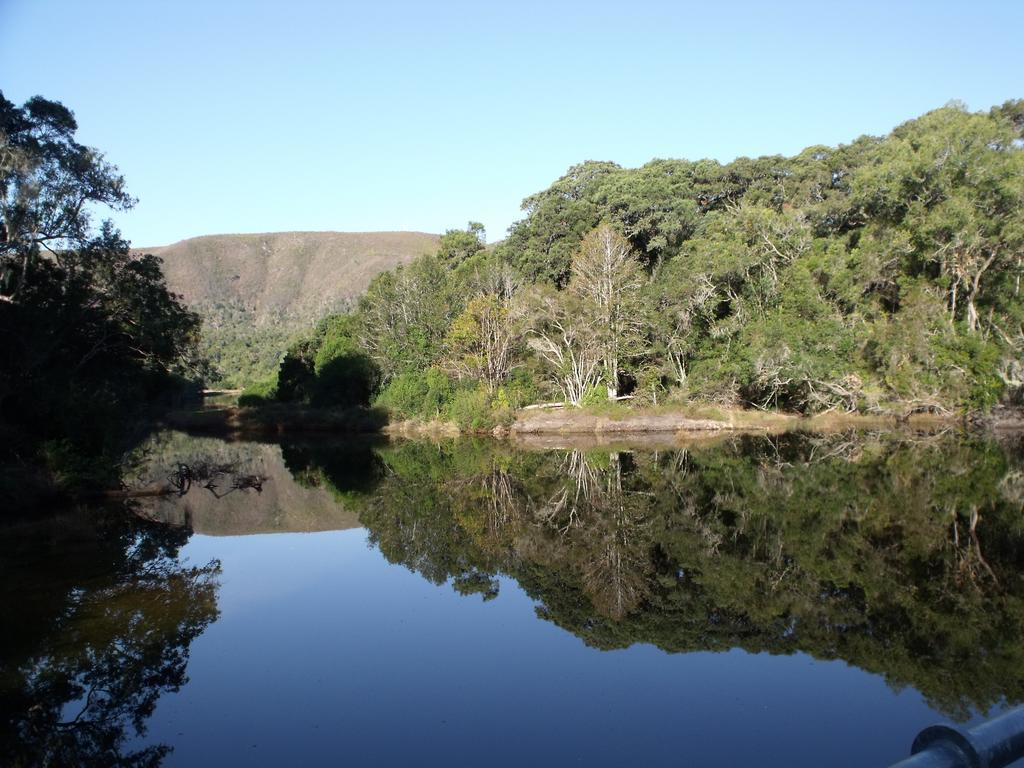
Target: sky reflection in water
{"points": [[324, 653], [810, 588]]}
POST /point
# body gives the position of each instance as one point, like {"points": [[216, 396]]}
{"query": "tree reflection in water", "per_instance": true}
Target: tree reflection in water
{"points": [[110, 613], [900, 555]]}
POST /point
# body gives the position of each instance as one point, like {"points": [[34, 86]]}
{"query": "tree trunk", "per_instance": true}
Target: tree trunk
{"points": [[613, 380]]}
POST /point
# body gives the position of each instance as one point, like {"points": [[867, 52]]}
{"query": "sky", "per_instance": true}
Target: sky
{"points": [[230, 117]]}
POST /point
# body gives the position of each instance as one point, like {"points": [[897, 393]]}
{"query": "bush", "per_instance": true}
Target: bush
{"points": [[522, 388], [260, 393], [432, 394], [424, 395], [474, 408], [329, 369], [296, 377], [596, 395], [348, 379], [650, 388], [924, 360]]}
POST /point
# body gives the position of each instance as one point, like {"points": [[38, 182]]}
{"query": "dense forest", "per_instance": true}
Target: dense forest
{"points": [[89, 333], [878, 276]]}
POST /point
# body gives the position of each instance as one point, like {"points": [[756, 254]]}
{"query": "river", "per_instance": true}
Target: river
{"points": [[793, 600]]}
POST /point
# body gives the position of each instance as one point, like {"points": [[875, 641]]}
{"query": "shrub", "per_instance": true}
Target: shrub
{"points": [[650, 388], [925, 360], [596, 395], [260, 393], [348, 379], [417, 394], [522, 388], [296, 377], [329, 369], [474, 408]]}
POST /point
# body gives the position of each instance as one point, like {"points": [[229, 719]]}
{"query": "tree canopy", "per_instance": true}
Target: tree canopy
{"points": [[89, 329], [878, 276]]}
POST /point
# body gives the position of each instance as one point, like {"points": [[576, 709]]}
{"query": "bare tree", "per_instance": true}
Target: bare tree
{"points": [[607, 277], [568, 344]]}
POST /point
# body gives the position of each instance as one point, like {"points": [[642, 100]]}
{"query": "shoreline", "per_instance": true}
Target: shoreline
{"points": [[269, 421]]}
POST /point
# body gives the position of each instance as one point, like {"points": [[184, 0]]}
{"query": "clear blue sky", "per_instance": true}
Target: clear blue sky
{"points": [[253, 117]]}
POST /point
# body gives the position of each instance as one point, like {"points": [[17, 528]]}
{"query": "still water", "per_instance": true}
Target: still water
{"points": [[793, 600]]}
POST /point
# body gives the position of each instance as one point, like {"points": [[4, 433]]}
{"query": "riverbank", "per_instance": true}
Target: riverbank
{"points": [[276, 419], [665, 420]]}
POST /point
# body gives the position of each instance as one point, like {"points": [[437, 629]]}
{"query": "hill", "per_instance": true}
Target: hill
{"points": [[282, 504], [257, 292]]}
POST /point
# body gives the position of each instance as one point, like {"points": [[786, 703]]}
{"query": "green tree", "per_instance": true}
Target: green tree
{"points": [[458, 245], [48, 181], [88, 329], [655, 206], [954, 181], [405, 315], [541, 245], [330, 368], [482, 341]]}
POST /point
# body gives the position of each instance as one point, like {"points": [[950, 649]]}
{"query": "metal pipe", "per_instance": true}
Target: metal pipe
{"points": [[993, 744]]}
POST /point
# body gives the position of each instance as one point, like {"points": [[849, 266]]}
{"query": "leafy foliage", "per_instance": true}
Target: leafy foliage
{"points": [[88, 330], [882, 275], [458, 245], [328, 369]]}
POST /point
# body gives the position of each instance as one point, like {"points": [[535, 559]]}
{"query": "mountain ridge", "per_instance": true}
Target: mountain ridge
{"points": [[256, 292]]}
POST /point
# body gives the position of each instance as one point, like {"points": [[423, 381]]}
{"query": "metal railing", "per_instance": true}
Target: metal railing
{"points": [[993, 744]]}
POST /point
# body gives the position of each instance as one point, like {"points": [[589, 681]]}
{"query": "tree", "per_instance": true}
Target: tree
{"points": [[567, 342], [345, 374], [607, 278], [457, 245], [88, 328], [952, 181], [679, 306], [541, 245], [404, 316], [47, 182], [482, 341], [329, 368], [655, 206]]}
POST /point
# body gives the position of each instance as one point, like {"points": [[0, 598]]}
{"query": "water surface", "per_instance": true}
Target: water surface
{"points": [[792, 600]]}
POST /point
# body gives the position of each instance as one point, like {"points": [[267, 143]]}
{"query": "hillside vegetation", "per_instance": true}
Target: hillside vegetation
{"points": [[878, 276], [256, 293]]}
